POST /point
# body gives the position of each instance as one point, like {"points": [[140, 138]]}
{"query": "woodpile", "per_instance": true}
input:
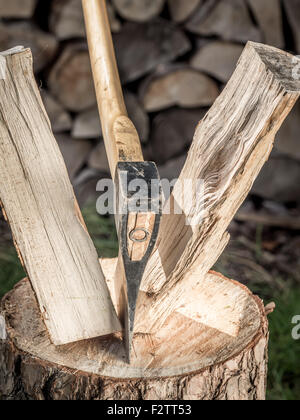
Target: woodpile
{"points": [[174, 58]]}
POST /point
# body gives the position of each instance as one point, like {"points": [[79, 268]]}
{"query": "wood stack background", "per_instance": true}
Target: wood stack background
{"points": [[174, 57]]}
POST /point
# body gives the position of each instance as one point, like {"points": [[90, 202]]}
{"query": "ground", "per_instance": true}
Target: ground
{"points": [[265, 259]]}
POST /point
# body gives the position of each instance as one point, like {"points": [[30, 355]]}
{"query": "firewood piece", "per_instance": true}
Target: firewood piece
{"points": [[43, 45], [232, 142], [60, 119], [46, 223], [85, 185], [87, 124], [181, 10], [292, 8], [172, 132], [226, 368], [184, 87], [71, 80], [21, 9], [287, 141], [157, 42], [98, 159], [217, 59], [228, 19], [279, 180], [172, 168], [139, 10], [75, 152], [66, 19], [269, 17]]}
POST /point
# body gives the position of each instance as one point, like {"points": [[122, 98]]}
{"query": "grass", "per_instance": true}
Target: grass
{"points": [[284, 351]]}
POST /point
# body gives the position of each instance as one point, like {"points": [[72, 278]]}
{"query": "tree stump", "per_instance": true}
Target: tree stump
{"points": [[186, 360]]}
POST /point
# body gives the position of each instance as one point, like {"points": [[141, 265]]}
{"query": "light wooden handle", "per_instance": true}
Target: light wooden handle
{"points": [[120, 136]]}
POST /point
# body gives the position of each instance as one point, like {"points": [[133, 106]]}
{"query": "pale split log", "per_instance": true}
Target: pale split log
{"points": [[229, 149], [40, 206], [185, 360]]}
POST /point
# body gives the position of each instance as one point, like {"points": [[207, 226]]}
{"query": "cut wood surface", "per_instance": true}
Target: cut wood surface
{"points": [[217, 59], [157, 42], [71, 80], [139, 10], [43, 45], [181, 9], [184, 87], [185, 360], [60, 119], [40, 206], [228, 19], [269, 17], [20, 9], [229, 149]]}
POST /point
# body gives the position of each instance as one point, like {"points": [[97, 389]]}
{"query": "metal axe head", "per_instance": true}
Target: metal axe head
{"points": [[138, 214]]}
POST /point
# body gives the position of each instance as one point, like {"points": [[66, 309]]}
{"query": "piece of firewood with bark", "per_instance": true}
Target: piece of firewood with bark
{"points": [[197, 334]]}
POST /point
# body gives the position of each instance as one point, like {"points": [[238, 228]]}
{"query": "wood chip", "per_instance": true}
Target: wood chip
{"points": [[269, 17], [71, 80], [217, 59], [156, 42], [22, 9], [139, 10], [292, 8], [60, 119], [42, 44], [184, 87], [228, 19], [181, 10]]}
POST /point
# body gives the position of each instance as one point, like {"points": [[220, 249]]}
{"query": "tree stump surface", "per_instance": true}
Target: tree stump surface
{"points": [[186, 360]]}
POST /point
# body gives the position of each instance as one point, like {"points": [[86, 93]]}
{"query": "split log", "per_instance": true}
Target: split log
{"points": [[98, 159], [139, 10], [66, 19], [75, 152], [181, 10], [181, 86], [292, 8], [60, 119], [39, 204], [217, 59], [157, 42], [21, 9], [43, 45], [85, 185], [87, 124], [232, 142], [269, 17], [71, 80], [213, 365], [172, 132], [228, 19]]}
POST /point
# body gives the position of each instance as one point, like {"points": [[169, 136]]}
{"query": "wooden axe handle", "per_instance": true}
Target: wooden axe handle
{"points": [[120, 136]]}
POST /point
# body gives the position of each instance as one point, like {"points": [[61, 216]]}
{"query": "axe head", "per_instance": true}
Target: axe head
{"points": [[138, 213]]}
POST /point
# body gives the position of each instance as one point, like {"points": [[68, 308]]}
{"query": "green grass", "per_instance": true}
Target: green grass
{"points": [[11, 270]]}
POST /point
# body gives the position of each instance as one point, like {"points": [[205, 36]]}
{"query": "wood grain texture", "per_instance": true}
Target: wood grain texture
{"points": [[230, 146], [39, 203], [183, 349]]}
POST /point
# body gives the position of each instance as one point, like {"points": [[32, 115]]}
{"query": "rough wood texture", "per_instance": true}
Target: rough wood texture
{"points": [[39, 203], [229, 149], [173, 367]]}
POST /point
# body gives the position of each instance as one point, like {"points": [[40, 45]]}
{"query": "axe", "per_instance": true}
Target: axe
{"points": [[138, 200]]}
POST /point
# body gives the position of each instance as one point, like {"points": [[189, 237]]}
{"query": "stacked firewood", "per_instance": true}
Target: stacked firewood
{"points": [[174, 58]]}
